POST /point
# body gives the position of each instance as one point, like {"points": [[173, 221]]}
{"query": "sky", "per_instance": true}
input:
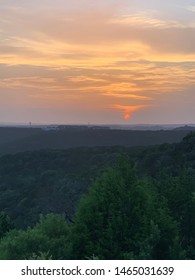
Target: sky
{"points": [[98, 62]]}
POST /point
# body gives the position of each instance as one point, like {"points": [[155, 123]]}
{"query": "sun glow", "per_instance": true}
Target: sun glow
{"points": [[127, 116], [128, 110]]}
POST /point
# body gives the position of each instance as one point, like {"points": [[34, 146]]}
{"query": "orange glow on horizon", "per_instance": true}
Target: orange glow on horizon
{"points": [[128, 110]]}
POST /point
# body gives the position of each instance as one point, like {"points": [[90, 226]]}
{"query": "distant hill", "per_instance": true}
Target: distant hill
{"points": [[10, 134], [185, 128], [13, 140]]}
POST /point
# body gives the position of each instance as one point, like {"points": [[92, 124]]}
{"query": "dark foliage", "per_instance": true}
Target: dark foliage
{"points": [[140, 207]]}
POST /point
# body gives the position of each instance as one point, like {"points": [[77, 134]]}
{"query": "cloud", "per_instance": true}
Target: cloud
{"points": [[191, 8], [138, 80], [65, 35], [128, 108], [128, 95], [145, 20]]}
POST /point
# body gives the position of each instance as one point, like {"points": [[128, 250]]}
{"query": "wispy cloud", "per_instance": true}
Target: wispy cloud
{"points": [[128, 96], [63, 37], [146, 20], [191, 8]]}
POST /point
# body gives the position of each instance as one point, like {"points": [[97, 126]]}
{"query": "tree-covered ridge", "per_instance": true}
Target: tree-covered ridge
{"points": [[41, 182], [140, 206], [14, 140]]}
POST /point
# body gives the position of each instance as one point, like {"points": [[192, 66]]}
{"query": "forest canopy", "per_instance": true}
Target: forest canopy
{"points": [[102, 203]]}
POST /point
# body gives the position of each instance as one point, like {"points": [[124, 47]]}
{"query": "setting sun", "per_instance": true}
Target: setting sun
{"points": [[127, 116]]}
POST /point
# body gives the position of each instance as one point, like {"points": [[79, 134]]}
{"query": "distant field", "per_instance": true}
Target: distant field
{"points": [[13, 140]]}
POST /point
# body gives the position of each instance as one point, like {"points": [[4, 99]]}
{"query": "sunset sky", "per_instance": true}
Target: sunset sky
{"points": [[100, 62]]}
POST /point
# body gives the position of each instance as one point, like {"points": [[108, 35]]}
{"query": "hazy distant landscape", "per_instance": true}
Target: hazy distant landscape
{"points": [[20, 139]]}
